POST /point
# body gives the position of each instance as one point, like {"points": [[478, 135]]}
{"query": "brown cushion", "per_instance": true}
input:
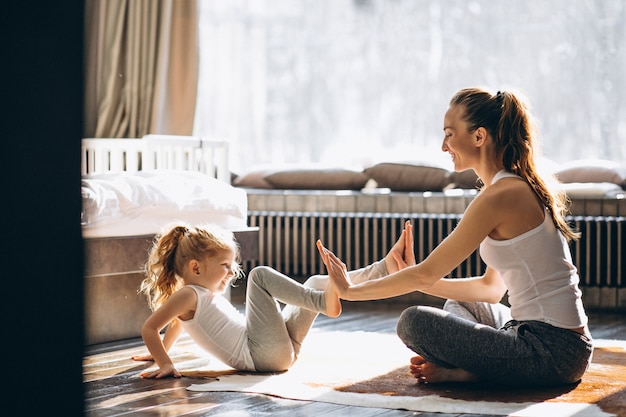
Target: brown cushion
{"points": [[317, 179], [291, 177], [409, 176], [253, 179], [592, 170], [465, 179]]}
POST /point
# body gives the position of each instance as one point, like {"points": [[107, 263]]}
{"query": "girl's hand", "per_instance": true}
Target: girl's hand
{"points": [[402, 253], [165, 371], [142, 358], [337, 270]]}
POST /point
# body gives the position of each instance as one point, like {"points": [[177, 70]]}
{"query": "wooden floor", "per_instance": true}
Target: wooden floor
{"points": [[112, 387]]}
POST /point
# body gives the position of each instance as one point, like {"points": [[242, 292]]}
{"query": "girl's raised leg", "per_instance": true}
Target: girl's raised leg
{"points": [[272, 344]]}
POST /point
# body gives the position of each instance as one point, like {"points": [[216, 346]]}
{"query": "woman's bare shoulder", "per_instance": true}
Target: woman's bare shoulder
{"points": [[512, 206], [502, 199], [507, 190]]}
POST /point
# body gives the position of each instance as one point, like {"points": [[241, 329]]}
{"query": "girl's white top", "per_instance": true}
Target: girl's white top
{"points": [[220, 329], [537, 269]]}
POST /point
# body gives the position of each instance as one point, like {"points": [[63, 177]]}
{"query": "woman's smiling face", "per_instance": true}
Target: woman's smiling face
{"points": [[457, 141]]}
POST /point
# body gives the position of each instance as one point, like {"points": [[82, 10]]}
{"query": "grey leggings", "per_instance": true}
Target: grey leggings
{"points": [[481, 338], [275, 336]]}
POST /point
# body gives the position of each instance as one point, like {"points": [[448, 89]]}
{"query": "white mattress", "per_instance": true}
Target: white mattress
{"points": [[142, 203]]}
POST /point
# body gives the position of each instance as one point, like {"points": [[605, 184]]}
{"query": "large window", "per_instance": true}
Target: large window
{"points": [[354, 82]]}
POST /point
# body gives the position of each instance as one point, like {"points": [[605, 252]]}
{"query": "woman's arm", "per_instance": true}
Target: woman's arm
{"points": [[399, 257], [488, 288], [402, 253], [180, 303], [478, 221]]}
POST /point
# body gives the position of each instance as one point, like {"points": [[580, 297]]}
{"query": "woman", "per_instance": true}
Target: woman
{"points": [[519, 224]]}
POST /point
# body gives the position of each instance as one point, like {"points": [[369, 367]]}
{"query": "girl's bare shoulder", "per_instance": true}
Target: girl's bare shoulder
{"points": [[185, 297]]}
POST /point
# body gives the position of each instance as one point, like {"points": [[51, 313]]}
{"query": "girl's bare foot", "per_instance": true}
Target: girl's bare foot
{"points": [[427, 372], [333, 302]]}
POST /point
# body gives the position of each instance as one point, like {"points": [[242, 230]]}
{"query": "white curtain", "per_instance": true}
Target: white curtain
{"points": [[363, 81], [141, 67]]}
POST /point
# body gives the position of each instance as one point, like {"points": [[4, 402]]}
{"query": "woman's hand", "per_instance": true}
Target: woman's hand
{"points": [[165, 371], [337, 270], [402, 253]]}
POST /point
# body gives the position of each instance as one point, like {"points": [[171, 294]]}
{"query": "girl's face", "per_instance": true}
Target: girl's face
{"points": [[216, 272], [457, 141]]}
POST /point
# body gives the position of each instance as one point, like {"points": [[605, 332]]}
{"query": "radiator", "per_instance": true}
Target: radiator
{"points": [[600, 253], [287, 242]]}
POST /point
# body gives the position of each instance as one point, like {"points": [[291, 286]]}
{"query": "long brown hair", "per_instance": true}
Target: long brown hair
{"points": [[172, 250], [506, 117]]}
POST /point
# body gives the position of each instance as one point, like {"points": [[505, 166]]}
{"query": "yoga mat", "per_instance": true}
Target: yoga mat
{"points": [[371, 370]]}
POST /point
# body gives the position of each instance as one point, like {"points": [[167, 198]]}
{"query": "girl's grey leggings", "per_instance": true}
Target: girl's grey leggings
{"points": [[275, 336], [481, 338]]}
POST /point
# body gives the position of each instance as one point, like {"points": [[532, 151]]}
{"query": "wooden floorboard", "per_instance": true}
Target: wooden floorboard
{"points": [[113, 387]]}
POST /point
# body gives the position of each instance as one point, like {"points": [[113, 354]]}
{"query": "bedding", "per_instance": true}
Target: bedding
{"points": [[142, 203]]}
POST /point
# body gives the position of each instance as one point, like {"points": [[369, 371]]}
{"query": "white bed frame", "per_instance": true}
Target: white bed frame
{"points": [[188, 153]]}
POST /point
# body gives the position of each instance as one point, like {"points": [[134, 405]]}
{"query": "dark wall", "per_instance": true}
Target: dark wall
{"points": [[41, 281]]}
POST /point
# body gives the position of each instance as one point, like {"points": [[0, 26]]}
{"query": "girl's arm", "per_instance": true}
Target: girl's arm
{"points": [[179, 304], [172, 333]]}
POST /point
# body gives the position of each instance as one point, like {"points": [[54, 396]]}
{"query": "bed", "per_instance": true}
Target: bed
{"points": [[131, 189]]}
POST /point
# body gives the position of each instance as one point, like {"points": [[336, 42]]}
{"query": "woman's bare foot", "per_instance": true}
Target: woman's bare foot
{"points": [[333, 302], [427, 372]]}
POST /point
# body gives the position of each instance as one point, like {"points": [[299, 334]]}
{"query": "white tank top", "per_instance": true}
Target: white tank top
{"points": [[537, 269], [220, 329]]}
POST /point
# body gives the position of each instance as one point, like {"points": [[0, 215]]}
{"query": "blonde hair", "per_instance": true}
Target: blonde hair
{"points": [[172, 250], [506, 116]]}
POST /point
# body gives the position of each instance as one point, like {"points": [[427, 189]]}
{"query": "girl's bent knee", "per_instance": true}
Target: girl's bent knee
{"points": [[258, 272]]}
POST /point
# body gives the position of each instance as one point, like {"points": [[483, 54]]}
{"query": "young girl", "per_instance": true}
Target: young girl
{"points": [[519, 223], [188, 270]]}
